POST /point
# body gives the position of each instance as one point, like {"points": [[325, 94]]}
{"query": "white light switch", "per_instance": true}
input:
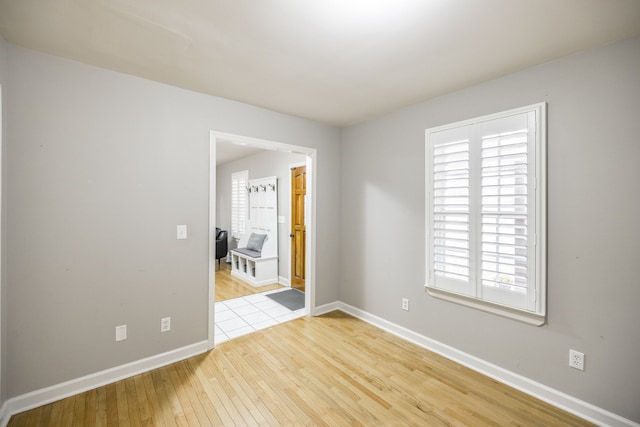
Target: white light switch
{"points": [[121, 332], [165, 324], [182, 232], [281, 219]]}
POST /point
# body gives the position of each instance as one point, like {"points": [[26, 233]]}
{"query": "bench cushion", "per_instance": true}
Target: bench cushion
{"points": [[248, 252]]}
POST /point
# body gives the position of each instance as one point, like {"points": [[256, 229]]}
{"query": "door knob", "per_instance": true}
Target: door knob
{"points": [[291, 235]]}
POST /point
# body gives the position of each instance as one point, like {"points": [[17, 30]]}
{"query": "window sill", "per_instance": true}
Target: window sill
{"points": [[530, 318]]}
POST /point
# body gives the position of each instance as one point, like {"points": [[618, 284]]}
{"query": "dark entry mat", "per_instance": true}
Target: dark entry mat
{"points": [[293, 299]]}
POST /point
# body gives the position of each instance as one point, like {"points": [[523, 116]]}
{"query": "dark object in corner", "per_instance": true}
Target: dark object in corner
{"points": [[222, 245]]}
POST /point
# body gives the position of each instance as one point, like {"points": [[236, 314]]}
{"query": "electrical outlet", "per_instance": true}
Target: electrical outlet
{"points": [[165, 324], [576, 360], [405, 304], [121, 332]]}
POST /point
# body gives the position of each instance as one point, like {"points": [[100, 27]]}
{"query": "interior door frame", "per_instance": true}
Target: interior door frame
{"points": [[310, 244], [2, 130]]}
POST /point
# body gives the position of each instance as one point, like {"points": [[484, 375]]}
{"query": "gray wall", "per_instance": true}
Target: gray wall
{"points": [[593, 230], [101, 167], [4, 80], [260, 165]]}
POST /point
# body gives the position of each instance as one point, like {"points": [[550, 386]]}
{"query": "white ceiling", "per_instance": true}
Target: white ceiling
{"points": [[334, 61], [228, 152]]}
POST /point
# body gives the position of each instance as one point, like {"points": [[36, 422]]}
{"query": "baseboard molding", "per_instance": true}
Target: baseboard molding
{"points": [[284, 281], [328, 308], [56, 392], [554, 397]]}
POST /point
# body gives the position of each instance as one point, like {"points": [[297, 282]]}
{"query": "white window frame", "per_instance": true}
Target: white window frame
{"points": [[239, 203], [471, 294]]}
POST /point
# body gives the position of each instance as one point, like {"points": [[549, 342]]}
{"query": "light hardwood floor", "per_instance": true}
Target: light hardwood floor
{"points": [[229, 287], [330, 370]]}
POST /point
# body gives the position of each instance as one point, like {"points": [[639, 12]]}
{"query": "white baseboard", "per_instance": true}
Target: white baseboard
{"points": [[328, 308], [284, 281], [56, 392], [554, 397]]}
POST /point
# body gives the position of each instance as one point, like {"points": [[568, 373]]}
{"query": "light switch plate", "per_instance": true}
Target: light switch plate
{"points": [[121, 332], [182, 232], [165, 324]]}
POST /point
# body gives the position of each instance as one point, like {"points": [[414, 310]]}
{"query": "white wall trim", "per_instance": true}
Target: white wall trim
{"points": [[284, 281], [312, 234], [2, 365], [211, 319], [547, 394], [312, 165], [89, 382], [328, 308], [554, 397]]}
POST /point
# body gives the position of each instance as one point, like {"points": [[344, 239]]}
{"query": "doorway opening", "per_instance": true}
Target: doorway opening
{"points": [[310, 159]]}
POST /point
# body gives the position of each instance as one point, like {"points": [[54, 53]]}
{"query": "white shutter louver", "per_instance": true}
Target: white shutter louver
{"points": [[504, 211], [451, 210], [239, 182]]}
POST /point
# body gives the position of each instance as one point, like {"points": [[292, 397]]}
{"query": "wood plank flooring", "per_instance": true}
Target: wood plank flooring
{"points": [[332, 370], [229, 287]]}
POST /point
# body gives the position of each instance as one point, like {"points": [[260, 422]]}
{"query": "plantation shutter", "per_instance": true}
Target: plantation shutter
{"points": [[239, 182], [486, 213], [451, 204], [506, 246]]}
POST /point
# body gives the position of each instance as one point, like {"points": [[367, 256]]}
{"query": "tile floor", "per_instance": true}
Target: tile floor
{"points": [[241, 316]]}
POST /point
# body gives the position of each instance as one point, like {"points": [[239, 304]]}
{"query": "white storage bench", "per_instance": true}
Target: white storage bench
{"points": [[253, 268], [256, 259]]}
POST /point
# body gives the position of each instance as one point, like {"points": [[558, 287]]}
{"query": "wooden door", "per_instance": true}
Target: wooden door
{"points": [[298, 229]]}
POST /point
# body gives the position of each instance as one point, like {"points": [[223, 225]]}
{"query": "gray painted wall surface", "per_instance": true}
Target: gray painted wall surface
{"points": [[593, 230], [4, 79], [261, 165], [101, 168]]}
